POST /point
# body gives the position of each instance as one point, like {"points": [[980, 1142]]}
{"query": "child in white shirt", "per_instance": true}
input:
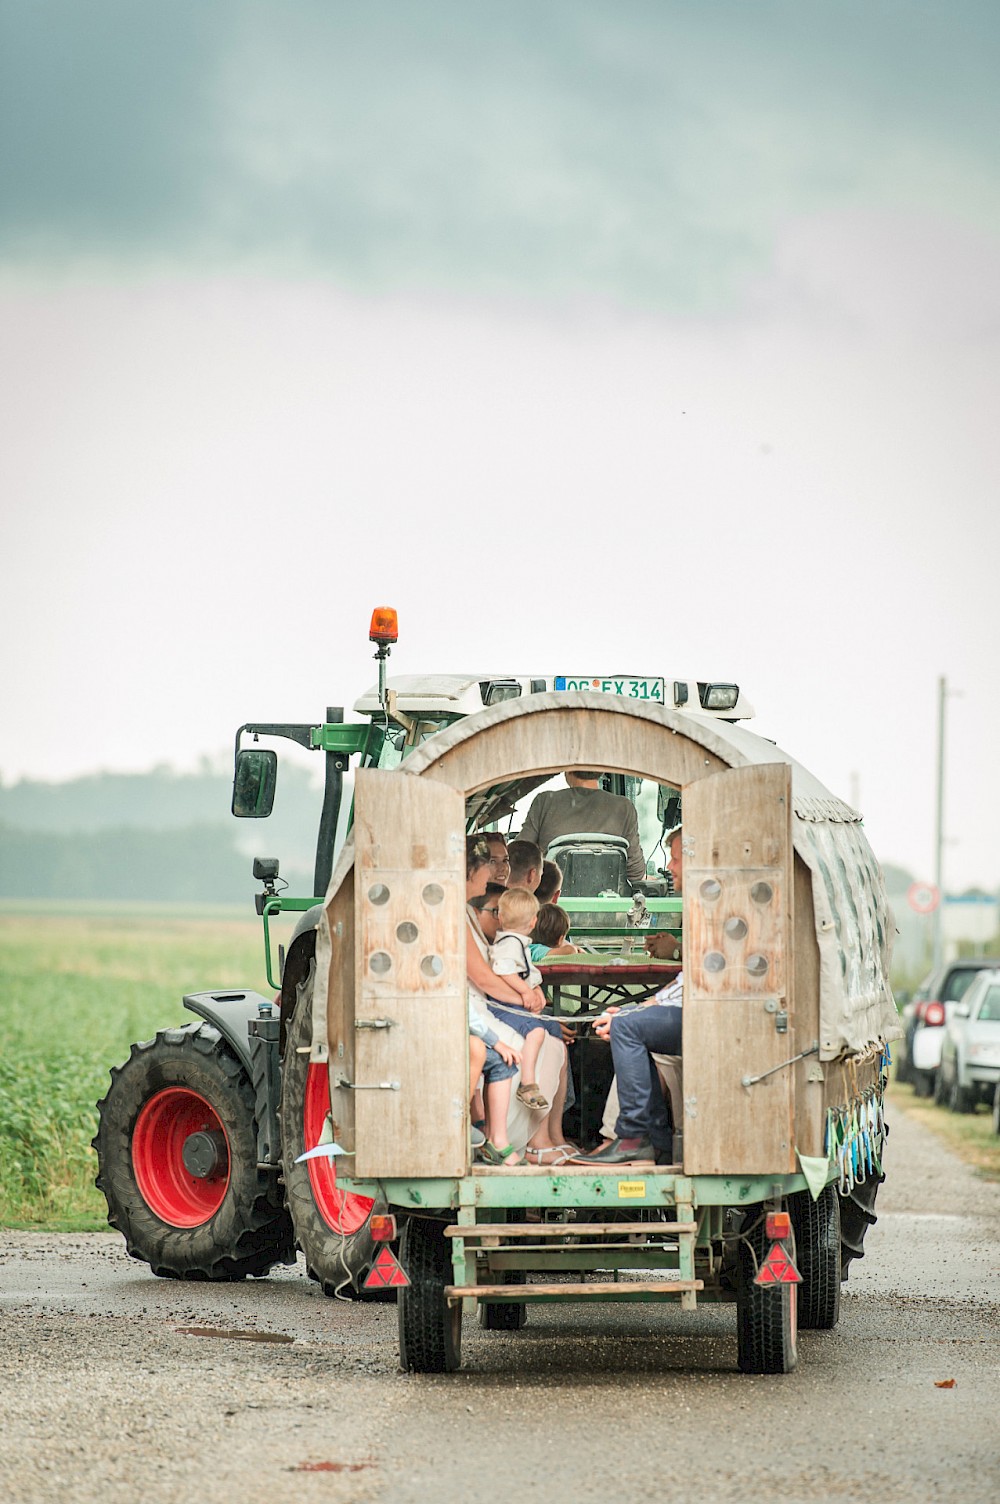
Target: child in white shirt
{"points": [[510, 958]]}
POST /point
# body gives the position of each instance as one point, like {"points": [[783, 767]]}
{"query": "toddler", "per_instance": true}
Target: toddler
{"points": [[511, 959], [549, 934]]}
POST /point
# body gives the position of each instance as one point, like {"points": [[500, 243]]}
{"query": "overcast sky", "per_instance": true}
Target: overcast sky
{"points": [[651, 337]]}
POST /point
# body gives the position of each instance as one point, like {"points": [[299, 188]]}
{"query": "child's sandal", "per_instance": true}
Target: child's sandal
{"points": [[529, 1093], [489, 1154]]}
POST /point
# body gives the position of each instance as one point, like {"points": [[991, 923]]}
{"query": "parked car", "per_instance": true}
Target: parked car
{"points": [[970, 1048], [918, 1053]]}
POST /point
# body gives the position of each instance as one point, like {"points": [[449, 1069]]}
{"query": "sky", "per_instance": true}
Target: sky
{"points": [[635, 337]]}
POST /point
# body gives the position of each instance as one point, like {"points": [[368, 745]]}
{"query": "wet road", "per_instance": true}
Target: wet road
{"points": [[107, 1397]]}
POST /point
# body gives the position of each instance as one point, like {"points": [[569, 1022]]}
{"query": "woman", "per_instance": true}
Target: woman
{"points": [[527, 1128]]}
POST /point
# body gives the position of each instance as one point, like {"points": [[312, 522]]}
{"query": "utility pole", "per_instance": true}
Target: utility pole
{"points": [[939, 825]]}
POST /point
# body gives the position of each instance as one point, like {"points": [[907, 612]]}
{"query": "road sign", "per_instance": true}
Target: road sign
{"points": [[923, 898]]}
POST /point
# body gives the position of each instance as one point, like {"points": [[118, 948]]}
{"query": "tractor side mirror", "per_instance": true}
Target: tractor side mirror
{"points": [[668, 808], [254, 783]]}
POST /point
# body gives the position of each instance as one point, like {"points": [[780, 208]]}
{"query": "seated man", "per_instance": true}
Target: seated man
{"points": [[642, 1127], [583, 806]]}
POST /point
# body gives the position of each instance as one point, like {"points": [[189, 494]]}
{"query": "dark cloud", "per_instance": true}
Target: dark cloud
{"points": [[639, 149]]}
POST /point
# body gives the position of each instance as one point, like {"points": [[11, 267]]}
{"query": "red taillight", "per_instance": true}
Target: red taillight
{"points": [[918, 1010], [934, 1015], [382, 1228], [778, 1225]]}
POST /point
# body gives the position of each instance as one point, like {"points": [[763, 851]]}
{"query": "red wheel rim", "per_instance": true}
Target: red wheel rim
{"points": [[161, 1130], [341, 1211]]}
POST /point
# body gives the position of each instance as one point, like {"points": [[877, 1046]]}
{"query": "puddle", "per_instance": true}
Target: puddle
{"points": [[232, 1336]]}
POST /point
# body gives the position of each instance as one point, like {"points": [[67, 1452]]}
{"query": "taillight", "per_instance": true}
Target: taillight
{"points": [[934, 1015], [918, 1010], [382, 1228], [778, 1225]]}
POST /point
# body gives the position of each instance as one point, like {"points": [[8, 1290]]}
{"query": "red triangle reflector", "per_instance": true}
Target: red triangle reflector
{"points": [[778, 1268], [386, 1271]]}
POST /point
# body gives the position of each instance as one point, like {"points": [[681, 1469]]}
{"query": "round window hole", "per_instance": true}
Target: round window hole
{"points": [[406, 932], [762, 893], [715, 961], [433, 893], [710, 889], [736, 928], [432, 966], [380, 962], [378, 893], [757, 965]]}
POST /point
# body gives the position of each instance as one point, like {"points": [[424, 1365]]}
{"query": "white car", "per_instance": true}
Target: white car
{"points": [[970, 1046]]}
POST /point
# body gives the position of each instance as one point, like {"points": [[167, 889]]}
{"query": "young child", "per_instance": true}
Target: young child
{"points": [[510, 959], [496, 1061], [549, 934]]}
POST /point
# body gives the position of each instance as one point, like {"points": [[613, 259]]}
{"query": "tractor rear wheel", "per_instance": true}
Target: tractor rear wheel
{"points": [[502, 1315], [177, 1161], [331, 1226], [766, 1315]]}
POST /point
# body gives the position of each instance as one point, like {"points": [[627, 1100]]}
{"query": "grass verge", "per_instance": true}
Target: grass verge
{"points": [[970, 1135]]}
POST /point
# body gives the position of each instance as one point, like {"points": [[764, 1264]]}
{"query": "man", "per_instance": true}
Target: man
{"points": [[584, 806], [525, 859], [642, 1128]]}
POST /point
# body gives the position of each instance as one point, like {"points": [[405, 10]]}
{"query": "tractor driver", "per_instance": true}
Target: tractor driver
{"points": [[584, 807]]}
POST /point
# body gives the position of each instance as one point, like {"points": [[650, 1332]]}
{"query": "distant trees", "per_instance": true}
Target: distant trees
{"points": [[160, 835]]}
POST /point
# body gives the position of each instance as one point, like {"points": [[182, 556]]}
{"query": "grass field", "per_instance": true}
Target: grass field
{"points": [[78, 989], [970, 1134]]}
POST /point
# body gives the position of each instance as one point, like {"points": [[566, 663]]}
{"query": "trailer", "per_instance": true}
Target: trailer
{"points": [[787, 1017]]}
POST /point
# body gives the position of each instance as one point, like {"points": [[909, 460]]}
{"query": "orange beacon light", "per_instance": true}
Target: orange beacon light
{"points": [[385, 625]]}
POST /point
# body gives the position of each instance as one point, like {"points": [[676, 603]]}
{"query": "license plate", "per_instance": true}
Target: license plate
{"points": [[629, 688]]}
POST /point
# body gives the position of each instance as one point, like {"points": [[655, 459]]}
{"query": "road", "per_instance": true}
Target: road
{"points": [[109, 1396]]}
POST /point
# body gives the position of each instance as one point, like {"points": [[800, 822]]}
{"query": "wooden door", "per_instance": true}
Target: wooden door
{"points": [[411, 1029], [738, 894]]}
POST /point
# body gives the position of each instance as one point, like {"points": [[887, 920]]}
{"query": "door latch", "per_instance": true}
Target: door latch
{"points": [[368, 1086], [373, 1023]]}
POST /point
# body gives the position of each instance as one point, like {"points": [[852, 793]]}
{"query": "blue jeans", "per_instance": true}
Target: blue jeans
{"points": [[635, 1037], [495, 1068], [523, 1021]]}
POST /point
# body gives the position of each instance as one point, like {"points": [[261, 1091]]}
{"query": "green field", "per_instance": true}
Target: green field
{"points": [[79, 986]]}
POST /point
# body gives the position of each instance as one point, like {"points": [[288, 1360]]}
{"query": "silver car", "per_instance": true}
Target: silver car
{"points": [[970, 1049]]}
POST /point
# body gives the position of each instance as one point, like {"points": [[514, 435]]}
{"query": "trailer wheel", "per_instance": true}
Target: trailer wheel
{"points": [[177, 1161], [430, 1330], [816, 1225], [331, 1226], [501, 1315], [766, 1315]]}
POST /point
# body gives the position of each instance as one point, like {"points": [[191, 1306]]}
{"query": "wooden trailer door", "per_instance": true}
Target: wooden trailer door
{"points": [[737, 852], [411, 1029]]}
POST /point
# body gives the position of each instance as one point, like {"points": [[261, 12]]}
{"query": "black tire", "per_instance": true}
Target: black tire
{"points": [[856, 1216], [816, 1225], [338, 1261], [996, 1108], [923, 1083], [940, 1087], [961, 1098], [766, 1315], [501, 1315], [430, 1331], [225, 1224]]}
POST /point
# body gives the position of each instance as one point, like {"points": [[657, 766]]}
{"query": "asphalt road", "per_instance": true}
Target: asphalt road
{"points": [[107, 1397]]}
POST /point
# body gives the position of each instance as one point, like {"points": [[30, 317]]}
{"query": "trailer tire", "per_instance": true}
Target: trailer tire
{"points": [[224, 1224], [502, 1315], [816, 1225], [430, 1330], [331, 1226], [766, 1315]]}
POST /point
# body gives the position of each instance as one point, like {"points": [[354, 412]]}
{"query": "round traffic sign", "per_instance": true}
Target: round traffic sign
{"points": [[923, 898]]}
